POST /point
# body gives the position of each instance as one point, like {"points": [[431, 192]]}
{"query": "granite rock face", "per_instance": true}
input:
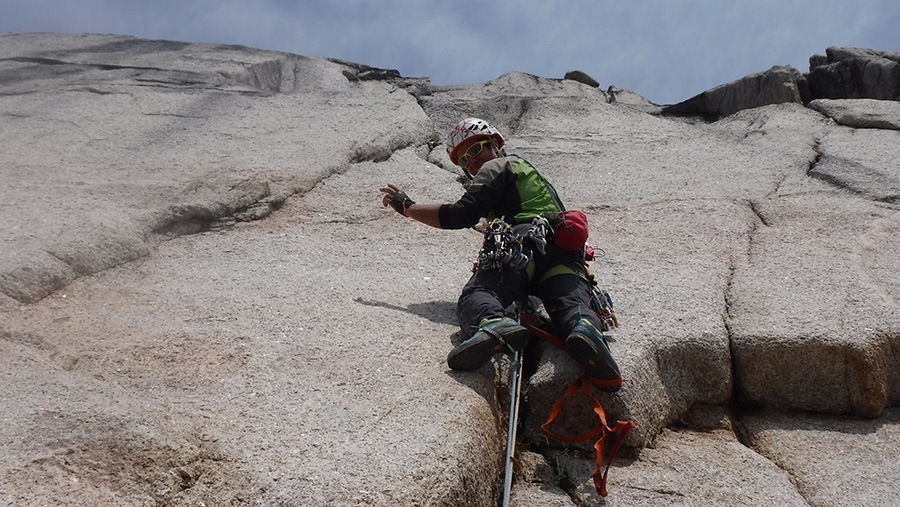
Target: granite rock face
{"points": [[843, 73], [855, 73], [778, 85], [203, 301], [581, 77], [861, 113]]}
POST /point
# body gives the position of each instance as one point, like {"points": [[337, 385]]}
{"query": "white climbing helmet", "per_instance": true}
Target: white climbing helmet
{"points": [[471, 128]]}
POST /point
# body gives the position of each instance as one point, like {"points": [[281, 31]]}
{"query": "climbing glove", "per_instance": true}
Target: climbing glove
{"points": [[401, 202]]}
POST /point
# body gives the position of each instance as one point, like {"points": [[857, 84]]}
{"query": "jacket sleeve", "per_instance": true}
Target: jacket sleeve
{"points": [[480, 199]]}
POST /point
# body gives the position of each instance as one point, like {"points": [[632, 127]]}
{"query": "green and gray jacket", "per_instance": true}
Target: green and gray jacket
{"points": [[506, 187]]}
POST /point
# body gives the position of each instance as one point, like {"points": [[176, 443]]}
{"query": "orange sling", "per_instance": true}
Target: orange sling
{"points": [[602, 429]]}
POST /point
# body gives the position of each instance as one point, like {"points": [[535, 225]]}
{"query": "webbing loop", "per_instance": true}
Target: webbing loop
{"points": [[601, 429]]}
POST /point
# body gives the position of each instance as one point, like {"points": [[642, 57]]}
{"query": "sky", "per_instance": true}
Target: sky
{"points": [[666, 51]]}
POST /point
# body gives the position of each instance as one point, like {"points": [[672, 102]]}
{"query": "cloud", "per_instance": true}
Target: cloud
{"points": [[666, 51]]}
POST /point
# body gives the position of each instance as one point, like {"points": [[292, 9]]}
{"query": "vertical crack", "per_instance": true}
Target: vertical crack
{"points": [[741, 407], [738, 403], [754, 207], [817, 147]]}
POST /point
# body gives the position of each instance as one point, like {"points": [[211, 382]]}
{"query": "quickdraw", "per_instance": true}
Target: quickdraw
{"points": [[601, 303], [502, 247], [539, 233]]}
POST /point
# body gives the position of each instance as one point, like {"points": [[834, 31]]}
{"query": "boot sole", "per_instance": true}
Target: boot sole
{"points": [[474, 353], [597, 362]]}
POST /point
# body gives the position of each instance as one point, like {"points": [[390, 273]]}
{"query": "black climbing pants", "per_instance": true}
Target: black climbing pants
{"points": [[566, 296]]}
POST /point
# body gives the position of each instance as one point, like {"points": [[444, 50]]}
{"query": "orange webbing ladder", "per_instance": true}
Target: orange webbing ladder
{"points": [[602, 429]]}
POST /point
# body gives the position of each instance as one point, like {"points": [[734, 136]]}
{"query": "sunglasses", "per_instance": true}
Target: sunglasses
{"points": [[473, 152]]}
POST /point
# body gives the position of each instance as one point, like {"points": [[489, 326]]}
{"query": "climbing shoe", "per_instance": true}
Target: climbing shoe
{"points": [[587, 345], [493, 335]]}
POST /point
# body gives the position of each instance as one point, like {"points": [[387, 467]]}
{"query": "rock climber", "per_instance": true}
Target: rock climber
{"points": [[511, 188]]}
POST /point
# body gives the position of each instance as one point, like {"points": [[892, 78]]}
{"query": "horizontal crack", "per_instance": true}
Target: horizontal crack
{"points": [[101, 66]]}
